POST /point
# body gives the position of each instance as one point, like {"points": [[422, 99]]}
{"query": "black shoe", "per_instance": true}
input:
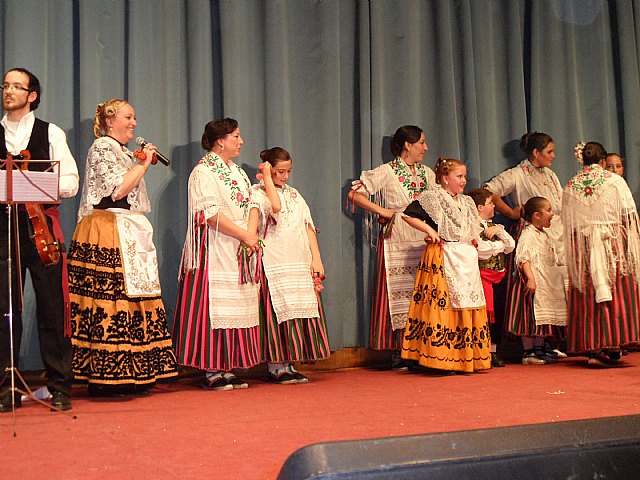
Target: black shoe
{"points": [[218, 383], [99, 390], [496, 361], [400, 367], [234, 381], [5, 402], [548, 359], [60, 401], [297, 376], [282, 377]]}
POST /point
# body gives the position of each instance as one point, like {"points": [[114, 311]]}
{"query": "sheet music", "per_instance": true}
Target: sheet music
{"points": [[28, 186]]}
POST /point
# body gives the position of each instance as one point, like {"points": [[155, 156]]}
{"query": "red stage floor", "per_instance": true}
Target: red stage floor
{"points": [[182, 431]]}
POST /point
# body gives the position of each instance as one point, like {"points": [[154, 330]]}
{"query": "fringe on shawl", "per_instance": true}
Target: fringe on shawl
{"points": [[372, 221], [602, 233]]}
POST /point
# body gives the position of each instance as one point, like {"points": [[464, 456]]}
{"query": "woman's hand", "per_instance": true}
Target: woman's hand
{"points": [[387, 213], [251, 240], [150, 152], [317, 269]]}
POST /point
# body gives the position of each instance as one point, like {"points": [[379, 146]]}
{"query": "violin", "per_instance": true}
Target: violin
{"points": [[46, 244]]}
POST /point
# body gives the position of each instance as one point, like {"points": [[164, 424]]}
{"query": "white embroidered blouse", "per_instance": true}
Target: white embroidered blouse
{"points": [[107, 163]]}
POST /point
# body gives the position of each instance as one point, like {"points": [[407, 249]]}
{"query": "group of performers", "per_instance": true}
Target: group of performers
{"points": [[250, 279], [575, 286]]}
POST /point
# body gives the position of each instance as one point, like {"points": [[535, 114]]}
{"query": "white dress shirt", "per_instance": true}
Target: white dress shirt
{"points": [[17, 136]]}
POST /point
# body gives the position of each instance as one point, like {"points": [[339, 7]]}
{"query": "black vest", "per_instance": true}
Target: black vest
{"points": [[38, 144]]}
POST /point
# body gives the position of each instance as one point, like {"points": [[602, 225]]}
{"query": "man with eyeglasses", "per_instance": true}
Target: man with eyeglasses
{"points": [[20, 130]]}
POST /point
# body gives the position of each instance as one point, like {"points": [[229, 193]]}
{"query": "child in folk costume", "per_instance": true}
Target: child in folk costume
{"points": [[216, 325], [393, 186], [293, 326], [603, 259], [541, 310], [447, 326], [493, 244]]}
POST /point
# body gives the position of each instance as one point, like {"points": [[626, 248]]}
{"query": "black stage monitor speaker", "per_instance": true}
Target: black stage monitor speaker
{"points": [[603, 448]]}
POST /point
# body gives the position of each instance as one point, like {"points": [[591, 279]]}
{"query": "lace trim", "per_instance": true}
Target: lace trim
{"points": [[107, 163], [457, 220]]}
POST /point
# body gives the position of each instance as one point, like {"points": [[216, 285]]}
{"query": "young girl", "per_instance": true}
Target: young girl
{"points": [[447, 326], [292, 321], [541, 309]]}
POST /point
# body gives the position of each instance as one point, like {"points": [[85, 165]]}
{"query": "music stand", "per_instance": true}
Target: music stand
{"points": [[19, 185]]}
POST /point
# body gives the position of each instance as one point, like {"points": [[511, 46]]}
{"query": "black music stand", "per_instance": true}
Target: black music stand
{"points": [[18, 185]]}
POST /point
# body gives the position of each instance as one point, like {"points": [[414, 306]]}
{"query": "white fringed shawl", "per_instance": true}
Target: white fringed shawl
{"points": [[602, 234]]}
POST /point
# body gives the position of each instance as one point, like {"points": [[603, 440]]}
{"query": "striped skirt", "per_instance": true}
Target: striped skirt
{"points": [[117, 339], [593, 326], [294, 340], [438, 336], [382, 335], [196, 343], [521, 319]]}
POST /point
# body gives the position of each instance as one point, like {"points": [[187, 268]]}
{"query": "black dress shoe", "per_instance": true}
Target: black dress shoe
{"points": [[496, 361], [5, 402], [109, 391], [61, 401]]}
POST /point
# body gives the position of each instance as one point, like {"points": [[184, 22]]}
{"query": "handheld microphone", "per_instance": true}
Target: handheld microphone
{"points": [[142, 142]]}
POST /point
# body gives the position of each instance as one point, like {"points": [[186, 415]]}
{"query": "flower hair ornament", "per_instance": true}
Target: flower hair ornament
{"points": [[577, 151]]}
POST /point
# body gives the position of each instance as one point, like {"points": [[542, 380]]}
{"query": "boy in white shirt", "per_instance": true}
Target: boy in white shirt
{"points": [[493, 246]]}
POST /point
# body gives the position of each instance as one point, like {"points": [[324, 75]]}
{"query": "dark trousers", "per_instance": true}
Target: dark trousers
{"points": [[55, 348]]}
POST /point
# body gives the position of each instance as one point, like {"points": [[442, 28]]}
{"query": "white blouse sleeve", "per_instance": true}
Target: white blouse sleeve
{"points": [[526, 249], [502, 184], [372, 181], [204, 194]]}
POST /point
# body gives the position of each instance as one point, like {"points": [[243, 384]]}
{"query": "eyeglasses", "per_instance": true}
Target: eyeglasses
{"points": [[14, 86]]}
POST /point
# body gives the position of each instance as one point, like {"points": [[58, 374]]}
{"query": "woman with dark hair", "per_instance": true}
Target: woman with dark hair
{"points": [[603, 259], [447, 326], [216, 325], [292, 316], [533, 177], [393, 186]]}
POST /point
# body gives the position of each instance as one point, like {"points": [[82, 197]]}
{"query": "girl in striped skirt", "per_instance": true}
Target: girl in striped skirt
{"points": [[216, 326], [292, 322], [538, 309]]}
